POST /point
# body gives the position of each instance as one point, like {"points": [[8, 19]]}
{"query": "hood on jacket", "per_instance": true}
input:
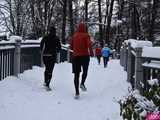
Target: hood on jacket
{"points": [[81, 28], [52, 31]]}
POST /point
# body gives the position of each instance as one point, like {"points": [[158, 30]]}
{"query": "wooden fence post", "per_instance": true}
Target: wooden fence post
{"points": [[125, 58], [121, 53], [59, 57], [68, 54], [114, 54], [138, 69], [129, 63], [17, 57]]}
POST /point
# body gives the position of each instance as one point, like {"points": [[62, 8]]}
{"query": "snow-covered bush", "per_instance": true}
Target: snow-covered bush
{"points": [[136, 106]]}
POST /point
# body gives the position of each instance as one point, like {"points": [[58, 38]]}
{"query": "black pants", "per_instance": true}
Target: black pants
{"points": [[99, 58], [105, 61], [49, 63], [77, 64]]}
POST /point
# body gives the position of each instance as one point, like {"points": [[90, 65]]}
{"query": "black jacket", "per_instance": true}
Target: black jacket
{"points": [[50, 45]]}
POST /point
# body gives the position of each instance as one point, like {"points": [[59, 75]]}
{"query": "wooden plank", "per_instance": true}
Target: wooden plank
{"points": [[151, 66], [150, 58]]}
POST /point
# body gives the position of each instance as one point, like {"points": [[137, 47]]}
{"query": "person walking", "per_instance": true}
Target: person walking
{"points": [[98, 53], [82, 50], [105, 55], [50, 45]]}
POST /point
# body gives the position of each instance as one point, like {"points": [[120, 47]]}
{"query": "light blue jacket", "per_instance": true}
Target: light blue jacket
{"points": [[105, 52]]}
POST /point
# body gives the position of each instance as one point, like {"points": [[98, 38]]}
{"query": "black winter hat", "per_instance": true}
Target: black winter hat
{"points": [[52, 29]]}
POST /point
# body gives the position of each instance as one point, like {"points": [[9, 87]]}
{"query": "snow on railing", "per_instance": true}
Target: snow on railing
{"points": [[138, 43], [153, 52], [141, 61]]}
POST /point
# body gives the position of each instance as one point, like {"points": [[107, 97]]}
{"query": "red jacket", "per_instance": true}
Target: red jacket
{"points": [[98, 51], [80, 42]]}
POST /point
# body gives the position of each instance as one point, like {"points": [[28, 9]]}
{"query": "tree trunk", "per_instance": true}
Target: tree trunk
{"points": [[119, 38], [71, 17], [64, 22], [86, 10], [18, 18], [105, 20], [109, 22], [100, 21], [12, 18], [133, 22], [152, 23]]}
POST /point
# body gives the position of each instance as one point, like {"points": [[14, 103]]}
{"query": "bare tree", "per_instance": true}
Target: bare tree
{"points": [[100, 21], [86, 10], [43, 14], [64, 21], [154, 15], [109, 18], [15, 14], [71, 17]]}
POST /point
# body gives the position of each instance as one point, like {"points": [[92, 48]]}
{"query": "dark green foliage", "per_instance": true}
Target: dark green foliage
{"points": [[130, 109]]}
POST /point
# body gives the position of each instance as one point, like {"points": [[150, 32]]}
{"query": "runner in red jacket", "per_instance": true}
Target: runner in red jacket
{"points": [[82, 50], [98, 53]]}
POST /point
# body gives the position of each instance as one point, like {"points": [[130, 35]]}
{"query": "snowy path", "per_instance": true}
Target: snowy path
{"points": [[25, 98]]}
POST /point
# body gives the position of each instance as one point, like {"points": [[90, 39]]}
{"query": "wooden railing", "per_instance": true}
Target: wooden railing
{"points": [[138, 67], [19, 56], [6, 61]]}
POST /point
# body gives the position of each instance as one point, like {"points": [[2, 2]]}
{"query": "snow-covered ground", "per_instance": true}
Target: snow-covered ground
{"points": [[26, 99]]}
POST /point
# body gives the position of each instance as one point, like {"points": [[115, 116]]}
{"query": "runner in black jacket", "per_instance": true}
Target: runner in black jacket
{"points": [[50, 46]]}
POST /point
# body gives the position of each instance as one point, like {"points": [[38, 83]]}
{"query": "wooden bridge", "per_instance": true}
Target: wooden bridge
{"points": [[140, 66], [15, 57]]}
